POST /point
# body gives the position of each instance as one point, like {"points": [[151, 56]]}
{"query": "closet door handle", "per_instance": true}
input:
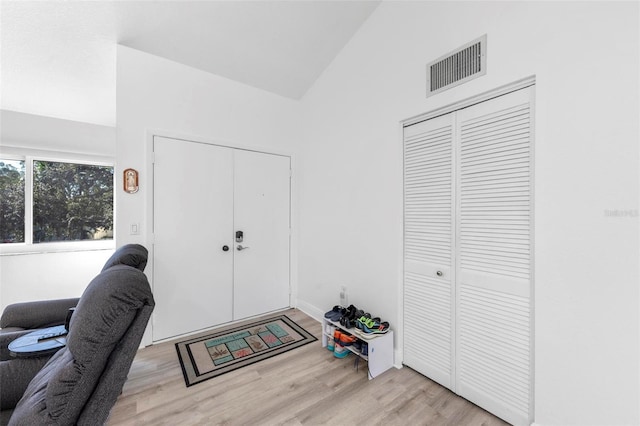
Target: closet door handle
{"points": [[241, 247], [439, 273]]}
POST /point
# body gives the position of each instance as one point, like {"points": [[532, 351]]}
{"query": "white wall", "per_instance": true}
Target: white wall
{"points": [[40, 275], [37, 132], [158, 96], [585, 59]]}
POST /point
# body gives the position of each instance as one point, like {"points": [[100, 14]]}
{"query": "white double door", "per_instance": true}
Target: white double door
{"points": [[204, 196], [468, 283]]}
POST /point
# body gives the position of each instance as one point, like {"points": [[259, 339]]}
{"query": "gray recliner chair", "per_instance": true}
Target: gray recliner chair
{"points": [[81, 382], [22, 318], [19, 319]]}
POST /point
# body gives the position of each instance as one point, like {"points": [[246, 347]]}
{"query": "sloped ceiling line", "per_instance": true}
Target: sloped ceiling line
{"points": [[58, 57]]}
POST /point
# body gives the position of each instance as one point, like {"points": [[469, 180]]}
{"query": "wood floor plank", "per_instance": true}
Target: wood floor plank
{"points": [[304, 386]]}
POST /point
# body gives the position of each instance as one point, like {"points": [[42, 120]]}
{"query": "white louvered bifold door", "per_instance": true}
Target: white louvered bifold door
{"points": [[468, 206], [494, 218], [428, 238]]}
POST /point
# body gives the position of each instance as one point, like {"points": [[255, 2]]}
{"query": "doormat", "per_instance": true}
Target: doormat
{"points": [[209, 356]]}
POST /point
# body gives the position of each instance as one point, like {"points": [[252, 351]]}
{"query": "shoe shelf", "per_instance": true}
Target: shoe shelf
{"points": [[380, 347]]}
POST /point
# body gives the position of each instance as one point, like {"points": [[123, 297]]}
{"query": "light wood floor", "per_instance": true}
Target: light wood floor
{"points": [[305, 386]]}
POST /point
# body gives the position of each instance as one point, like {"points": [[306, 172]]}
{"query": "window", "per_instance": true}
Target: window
{"points": [[47, 201]]}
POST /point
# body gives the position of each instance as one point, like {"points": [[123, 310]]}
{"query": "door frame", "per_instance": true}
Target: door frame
{"points": [[147, 228], [446, 109]]}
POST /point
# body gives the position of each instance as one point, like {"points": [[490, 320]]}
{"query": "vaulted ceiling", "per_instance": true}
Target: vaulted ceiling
{"points": [[58, 57]]}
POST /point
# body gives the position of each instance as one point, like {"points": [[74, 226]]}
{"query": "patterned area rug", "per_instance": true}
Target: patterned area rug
{"points": [[205, 357]]}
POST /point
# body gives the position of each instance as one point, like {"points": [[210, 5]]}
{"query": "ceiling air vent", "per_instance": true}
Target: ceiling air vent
{"points": [[457, 67]]}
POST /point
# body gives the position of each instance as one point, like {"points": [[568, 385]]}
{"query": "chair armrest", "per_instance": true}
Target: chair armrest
{"points": [[34, 315], [5, 339]]}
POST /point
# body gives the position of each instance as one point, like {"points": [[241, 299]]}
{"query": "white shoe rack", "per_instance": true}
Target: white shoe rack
{"points": [[380, 353]]}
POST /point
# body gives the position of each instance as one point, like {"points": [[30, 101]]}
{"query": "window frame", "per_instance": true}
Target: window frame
{"points": [[28, 247]]}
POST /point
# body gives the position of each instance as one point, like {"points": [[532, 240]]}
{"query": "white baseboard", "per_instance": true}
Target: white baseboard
{"points": [[397, 357], [310, 310]]}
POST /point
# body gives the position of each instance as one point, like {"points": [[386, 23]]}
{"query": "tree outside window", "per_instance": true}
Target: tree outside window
{"points": [[12, 201], [71, 202]]}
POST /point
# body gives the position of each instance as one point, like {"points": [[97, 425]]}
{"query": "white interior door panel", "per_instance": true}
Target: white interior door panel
{"points": [[428, 242], [261, 205], [193, 219], [495, 217]]}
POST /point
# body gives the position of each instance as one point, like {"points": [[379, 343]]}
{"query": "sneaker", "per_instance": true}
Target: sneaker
{"points": [[347, 339], [362, 320], [370, 323], [377, 328], [330, 344], [340, 351], [365, 349], [358, 345]]}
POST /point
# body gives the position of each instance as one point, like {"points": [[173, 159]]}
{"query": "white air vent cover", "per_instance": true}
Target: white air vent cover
{"points": [[457, 67]]}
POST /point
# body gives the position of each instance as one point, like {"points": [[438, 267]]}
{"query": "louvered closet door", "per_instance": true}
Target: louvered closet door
{"points": [[428, 237], [494, 241]]}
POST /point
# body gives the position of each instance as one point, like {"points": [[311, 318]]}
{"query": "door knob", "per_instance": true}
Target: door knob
{"points": [[439, 273], [225, 248], [240, 247]]}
